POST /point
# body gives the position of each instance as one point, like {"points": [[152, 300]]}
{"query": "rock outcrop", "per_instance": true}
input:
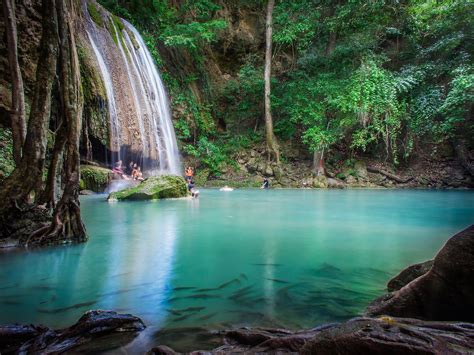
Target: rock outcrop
{"points": [[29, 339], [153, 188], [444, 293], [408, 275], [94, 178], [384, 335]]}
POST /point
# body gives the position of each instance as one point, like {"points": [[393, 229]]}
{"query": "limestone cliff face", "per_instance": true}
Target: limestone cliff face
{"points": [[126, 110], [28, 17]]}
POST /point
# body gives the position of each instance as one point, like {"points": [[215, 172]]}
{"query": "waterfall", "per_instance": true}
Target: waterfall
{"points": [[140, 120], [109, 89]]}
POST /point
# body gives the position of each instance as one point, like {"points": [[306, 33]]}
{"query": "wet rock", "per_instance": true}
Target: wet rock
{"points": [[155, 187], [91, 326], [445, 292], [408, 275], [86, 192], [13, 335]]}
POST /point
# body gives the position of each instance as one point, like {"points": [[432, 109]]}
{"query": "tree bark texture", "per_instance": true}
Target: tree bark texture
{"points": [[17, 111], [272, 145], [67, 222], [59, 63], [318, 156], [28, 175]]}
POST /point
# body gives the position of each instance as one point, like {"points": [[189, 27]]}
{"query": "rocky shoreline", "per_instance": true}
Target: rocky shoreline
{"points": [[296, 171], [429, 310]]}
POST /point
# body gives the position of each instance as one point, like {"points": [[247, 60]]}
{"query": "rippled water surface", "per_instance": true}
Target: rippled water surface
{"points": [[286, 258]]}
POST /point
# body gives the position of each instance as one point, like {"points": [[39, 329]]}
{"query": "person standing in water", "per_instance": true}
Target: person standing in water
{"points": [[266, 183], [188, 173]]}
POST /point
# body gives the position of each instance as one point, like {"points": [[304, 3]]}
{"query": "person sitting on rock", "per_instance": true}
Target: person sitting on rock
{"points": [[134, 172], [139, 174], [118, 168], [266, 183], [131, 166]]}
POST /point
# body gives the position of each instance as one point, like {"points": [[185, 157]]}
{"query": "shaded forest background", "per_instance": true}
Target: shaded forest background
{"points": [[382, 79]]}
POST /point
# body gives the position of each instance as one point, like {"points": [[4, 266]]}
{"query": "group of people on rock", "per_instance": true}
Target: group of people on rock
{"points": [[134, 171]]}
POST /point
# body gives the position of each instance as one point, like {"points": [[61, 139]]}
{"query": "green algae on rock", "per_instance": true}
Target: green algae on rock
{"points": [[94, 178], [153, 188]]}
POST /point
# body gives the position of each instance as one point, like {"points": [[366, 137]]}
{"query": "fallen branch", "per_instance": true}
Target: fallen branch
{"points": [[391, 176]]}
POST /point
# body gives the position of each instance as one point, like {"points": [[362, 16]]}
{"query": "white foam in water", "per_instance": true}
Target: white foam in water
{"points": [[118, 185]]}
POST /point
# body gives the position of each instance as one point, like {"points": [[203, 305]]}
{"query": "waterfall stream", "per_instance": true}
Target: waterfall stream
{"points": [[140, 121]]}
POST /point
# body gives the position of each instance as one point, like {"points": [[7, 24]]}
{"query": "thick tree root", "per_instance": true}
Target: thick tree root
{"points": [[391, 176]]}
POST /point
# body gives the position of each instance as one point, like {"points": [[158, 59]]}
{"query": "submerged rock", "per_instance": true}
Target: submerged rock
{"points": [[92, 325], [445, 292], [153, 188], [408, 275]]}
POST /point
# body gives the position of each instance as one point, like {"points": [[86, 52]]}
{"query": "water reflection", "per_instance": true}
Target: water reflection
{"points": [[267, 258]]}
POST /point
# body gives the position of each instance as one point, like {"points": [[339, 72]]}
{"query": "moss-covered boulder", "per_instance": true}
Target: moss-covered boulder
{"points": [[153, 188], [94, 178]]}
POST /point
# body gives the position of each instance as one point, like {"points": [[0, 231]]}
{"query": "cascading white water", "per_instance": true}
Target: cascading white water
{"points": [[163, 131], [109, 89], [141, 126]]}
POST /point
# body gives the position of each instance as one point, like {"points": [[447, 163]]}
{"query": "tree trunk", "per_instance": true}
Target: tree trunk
{"points": [[331, 43], [48, 196], [318, 162], [17, 112], [318, 156], [272, 145], [67, 223], [28, 175]]}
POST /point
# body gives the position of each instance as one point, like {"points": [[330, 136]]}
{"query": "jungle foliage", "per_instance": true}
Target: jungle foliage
{"points": [[379, 76]]}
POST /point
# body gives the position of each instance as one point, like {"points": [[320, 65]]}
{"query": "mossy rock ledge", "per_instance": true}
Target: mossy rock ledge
{"points": [[94, 178], [154, 188]]}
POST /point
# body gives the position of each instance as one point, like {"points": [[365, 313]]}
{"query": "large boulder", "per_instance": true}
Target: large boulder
{"points": [[408, 275], [153, 188], [94, 178], [445, 292], [109, 325]]}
